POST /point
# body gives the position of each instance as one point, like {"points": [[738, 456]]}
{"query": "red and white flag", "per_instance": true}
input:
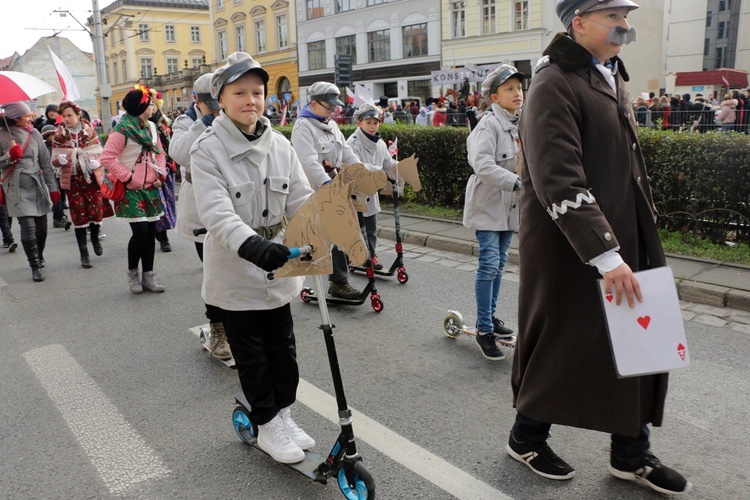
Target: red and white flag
{"points": [[393, 147], [726, 82], [68, 86], [282, 121]]}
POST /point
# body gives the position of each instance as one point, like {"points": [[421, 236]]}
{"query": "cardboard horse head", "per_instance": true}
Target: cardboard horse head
{"points": [[366, 183], [327, 218]]}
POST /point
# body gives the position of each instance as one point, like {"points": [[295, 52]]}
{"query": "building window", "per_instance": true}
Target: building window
{"points": [[314, 8], [115, 73], [124, 70], [347, 46], [707, 47], [173, 65], [143, 32], [345, 5], [415, 40], [239, 35], [721, 30], [196, 61], [316, 54], [260, 36], [195, 34], [390, 89], [458, 16], [219, 4], [122, 34], [379, 45], [719, 57], [722, 5], [169, 33], [111, 36], [282, 31], [488, 17], [146, 71], [222, 45], [521, 16], [708, 19], [376, 2]]}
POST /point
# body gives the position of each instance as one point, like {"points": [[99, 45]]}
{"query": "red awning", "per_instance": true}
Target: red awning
{"points": [[736, 78]]}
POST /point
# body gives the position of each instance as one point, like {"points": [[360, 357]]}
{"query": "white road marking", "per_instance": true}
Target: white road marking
{"points": [[119, 454], [420, 461]]}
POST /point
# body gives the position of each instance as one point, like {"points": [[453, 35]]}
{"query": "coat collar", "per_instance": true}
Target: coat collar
{"points": [[572, 56], [237, 145], [370, 146]]}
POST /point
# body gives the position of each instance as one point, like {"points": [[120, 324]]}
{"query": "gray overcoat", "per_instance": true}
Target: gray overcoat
{"points": [[585, 191], [27, 188]]}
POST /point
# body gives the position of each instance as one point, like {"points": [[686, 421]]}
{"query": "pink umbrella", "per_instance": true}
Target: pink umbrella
{"points": [[16, 86]]}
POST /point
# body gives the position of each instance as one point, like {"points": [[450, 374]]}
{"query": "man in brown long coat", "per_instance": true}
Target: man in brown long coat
{"points": [[586, 213]]}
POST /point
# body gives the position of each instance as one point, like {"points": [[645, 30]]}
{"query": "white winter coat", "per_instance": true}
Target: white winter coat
{"points": [[239, 185], [495, 155], [185, 131], [375, 155], [316, 142]]}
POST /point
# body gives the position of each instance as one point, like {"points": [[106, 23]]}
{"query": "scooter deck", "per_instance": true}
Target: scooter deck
{"points": [[307, 466], [203, 329], [502, 341]]}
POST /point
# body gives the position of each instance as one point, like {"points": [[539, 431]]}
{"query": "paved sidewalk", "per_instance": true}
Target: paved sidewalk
{"points": [[702, 282]]}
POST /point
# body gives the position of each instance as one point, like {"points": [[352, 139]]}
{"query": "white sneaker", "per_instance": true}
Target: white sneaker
{"points": [[299, 436], [274, 440]]}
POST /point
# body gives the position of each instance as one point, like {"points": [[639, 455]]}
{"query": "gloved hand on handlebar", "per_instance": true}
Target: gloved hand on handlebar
{"points": [[264, 253]]}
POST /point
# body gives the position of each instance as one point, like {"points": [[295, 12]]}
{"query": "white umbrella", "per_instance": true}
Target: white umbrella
{"points": [[16, 86]]}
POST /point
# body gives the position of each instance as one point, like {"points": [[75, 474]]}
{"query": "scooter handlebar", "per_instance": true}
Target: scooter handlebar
{"points": [[294, 253], [197, 231]]}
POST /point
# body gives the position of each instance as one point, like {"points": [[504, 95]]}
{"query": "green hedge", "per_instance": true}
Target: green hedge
{"points": [[701, 182]]}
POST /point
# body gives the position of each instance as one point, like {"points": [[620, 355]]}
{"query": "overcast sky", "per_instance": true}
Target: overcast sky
{"points": [[26, 21]]}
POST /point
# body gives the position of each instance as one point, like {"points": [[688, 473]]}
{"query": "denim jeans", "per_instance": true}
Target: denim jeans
{"points": [[493, 255], [626, 448]]}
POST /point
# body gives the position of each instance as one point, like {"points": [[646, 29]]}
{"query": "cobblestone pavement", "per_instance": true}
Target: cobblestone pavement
{"points": [[722, 317]]}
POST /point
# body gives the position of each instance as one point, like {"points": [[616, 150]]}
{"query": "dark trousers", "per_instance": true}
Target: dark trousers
{"points": [[626, 448], [265, 352], [370, 226], [142, 245], [5, 222], [340, 265], [57, 208], [213, 313], [34, 229]]}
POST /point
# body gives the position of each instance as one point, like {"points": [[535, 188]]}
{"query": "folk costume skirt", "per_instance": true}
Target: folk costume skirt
{"points": [[140, 205]]}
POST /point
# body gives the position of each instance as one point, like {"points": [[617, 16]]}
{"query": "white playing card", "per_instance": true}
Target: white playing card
{"points": [[649, 338]]}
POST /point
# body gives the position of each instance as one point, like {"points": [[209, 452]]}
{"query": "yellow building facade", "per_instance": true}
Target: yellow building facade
{"points": [[488, 32], [265, 29], [159, 42]]}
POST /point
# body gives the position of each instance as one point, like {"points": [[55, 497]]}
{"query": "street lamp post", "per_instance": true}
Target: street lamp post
{"points": [[105, 91]]}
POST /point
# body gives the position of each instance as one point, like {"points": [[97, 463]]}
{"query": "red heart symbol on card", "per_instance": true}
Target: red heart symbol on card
{"points": [[609, 297], [681, 351], [644, 321]]}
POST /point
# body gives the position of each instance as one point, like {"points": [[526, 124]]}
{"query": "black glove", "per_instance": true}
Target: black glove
{"points": [[264, 253], [208, 119]]}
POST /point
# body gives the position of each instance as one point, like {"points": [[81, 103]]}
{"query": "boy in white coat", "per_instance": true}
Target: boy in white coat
{"points": [[246, 179], [371, 149], [491, 206]]}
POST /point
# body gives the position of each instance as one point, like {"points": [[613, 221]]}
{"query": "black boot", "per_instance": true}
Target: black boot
{"points": [[32, 253], [94, 229], [163, 239], [83, 248], [41, 241]]}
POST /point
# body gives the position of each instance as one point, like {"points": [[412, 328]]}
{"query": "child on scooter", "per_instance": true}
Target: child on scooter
{"points": [[372, 150], [491, 206], [247, 179]]}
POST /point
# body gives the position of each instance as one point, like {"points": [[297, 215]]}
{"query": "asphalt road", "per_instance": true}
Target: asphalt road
{"points": [[106, 394]]}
